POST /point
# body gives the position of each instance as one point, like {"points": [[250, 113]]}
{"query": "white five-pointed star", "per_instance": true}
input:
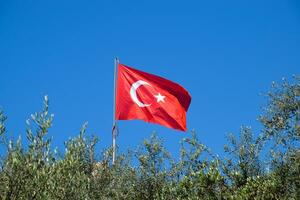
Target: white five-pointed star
{"points": [[159, 98]]}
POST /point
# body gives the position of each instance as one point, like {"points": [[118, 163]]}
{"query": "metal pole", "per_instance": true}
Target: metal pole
{"points": [[114, 129]]}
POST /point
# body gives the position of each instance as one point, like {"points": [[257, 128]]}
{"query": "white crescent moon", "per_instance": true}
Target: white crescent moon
{"points": [[133, 95]]}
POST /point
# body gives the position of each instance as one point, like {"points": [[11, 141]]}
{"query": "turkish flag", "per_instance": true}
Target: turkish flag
{"points": [[144, 96]]}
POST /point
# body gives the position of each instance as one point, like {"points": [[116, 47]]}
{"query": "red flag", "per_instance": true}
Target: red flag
{"points": [[140, 95]]}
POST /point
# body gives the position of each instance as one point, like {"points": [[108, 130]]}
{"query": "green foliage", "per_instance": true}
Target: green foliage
{"points": [[266, 166], [244, 160]]}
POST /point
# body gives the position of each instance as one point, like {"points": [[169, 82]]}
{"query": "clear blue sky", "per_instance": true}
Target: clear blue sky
{"points": [[225, 53]]}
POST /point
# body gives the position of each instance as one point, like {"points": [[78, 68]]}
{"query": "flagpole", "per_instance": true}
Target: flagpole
{"points": [[114, 129]]}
